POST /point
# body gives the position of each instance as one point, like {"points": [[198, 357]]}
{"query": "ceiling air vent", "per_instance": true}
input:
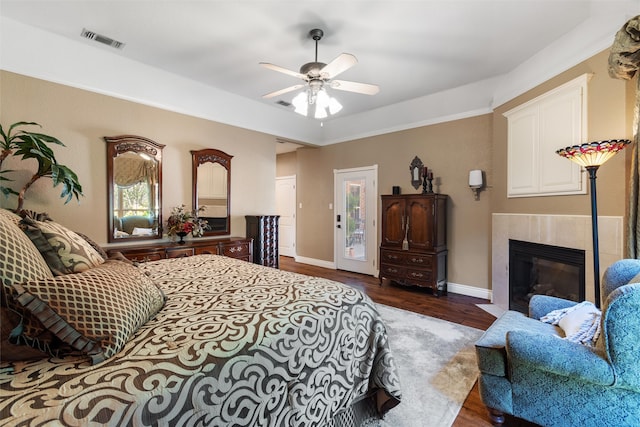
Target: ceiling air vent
{"points": [[284, 103], [101, 39]]}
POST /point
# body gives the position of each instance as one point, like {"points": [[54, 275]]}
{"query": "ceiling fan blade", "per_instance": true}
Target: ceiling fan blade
{"points": [[283, 70], [281, 91], [363, 88], [341, 63]]}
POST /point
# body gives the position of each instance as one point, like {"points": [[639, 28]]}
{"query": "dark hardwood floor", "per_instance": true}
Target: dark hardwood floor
{"points": [[455, 308]]}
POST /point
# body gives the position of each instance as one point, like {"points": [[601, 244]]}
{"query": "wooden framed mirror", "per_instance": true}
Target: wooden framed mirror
{"points": [[211, 187], [415, 168], [134, 188]]}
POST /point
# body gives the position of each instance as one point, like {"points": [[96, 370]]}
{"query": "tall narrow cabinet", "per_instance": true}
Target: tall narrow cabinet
{"points": [[413, 250], [263, 229]]}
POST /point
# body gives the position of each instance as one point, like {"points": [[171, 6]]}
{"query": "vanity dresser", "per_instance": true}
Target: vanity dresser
{"points": [[234, 247]]}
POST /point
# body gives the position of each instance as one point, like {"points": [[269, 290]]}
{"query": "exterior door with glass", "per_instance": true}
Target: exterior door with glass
{"points": [[355, 219]]}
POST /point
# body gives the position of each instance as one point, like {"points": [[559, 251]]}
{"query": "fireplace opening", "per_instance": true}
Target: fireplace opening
{"points": [[535, 268]]}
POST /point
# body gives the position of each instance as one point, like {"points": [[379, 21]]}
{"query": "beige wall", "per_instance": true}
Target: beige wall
{"points": [[287, 164], [80, 119], [451, 149], [608, 118]]}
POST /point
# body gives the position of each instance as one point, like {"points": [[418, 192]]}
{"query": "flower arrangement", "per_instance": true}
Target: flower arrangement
{"points": [[182, 222]]}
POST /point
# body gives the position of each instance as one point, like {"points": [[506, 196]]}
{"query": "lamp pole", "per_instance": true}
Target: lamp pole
{"points": [[591, 155], [594, 232]]}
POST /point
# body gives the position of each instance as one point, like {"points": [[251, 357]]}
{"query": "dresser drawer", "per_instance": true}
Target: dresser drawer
{"points": [[235, 250], [392, 270], [418, 260], [425, 276], [179, 252], [137, 255], [391, 257], [207, 250]]}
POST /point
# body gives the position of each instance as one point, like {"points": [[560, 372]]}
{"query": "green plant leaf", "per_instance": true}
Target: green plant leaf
{"points": [[34, 145], [61, 174]]}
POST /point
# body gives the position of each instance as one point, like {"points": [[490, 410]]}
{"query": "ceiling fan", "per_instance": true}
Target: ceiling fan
{"points": [[317, 76]]}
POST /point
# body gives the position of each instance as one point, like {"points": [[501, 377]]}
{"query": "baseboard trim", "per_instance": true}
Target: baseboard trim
{"points": [[316, 262], [470, 291]]}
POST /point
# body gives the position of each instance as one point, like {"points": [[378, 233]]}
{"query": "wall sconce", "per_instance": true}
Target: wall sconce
{"points": [[475, 182]]}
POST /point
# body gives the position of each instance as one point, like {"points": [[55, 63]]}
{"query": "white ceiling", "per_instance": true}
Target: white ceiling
{"points": [[411, 49]]}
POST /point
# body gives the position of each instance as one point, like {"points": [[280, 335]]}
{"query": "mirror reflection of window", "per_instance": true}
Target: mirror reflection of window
{"points": [[135, 205], [134, 175]]}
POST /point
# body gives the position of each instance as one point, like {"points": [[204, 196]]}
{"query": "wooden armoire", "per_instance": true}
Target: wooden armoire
{"points": [[413, 249], [263, 229]]}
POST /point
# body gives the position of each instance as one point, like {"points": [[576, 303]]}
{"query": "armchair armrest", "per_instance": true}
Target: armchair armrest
{"points": [[540, 305], [558, 356]]}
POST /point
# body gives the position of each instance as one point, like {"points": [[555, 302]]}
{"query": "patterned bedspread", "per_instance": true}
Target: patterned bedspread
{"points": [[236, 344]]}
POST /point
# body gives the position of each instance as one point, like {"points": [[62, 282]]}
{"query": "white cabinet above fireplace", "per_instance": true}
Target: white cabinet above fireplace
{"points": [[537, 129]]}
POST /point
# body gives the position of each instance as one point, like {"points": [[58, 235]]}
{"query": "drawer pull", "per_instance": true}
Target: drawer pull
{"points": [[235, 249], [418, 275], [417, 260], [392, 270]]}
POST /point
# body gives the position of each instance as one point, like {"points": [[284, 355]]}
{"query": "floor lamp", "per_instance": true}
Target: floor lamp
{"points": [[591, 156]]}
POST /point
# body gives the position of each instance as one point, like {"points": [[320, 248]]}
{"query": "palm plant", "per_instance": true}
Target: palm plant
{"points": [[33, 145]]}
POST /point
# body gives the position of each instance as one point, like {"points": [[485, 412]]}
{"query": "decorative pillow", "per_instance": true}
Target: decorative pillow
{"points": [[580, 323], [44, 247], [94, 245], [72, 250], [94, 312], [10, 352], [19, 260]]}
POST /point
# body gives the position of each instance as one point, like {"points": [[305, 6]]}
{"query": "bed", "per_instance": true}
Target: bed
{"points": [[213, 341]]}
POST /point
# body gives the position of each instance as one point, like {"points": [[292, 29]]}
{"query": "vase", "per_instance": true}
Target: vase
{"points": [[181, 234]]}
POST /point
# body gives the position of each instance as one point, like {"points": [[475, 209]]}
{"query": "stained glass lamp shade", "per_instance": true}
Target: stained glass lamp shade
{"points": [[591, 155]]}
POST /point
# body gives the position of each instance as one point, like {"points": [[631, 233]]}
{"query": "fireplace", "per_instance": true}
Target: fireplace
{"points": [[536, 268]]}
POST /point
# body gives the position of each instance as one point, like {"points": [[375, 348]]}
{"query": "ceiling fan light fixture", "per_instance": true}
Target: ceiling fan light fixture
{"points": [[318, 75], [322, 99], [321, 113], [334, 106], [301, 103]]}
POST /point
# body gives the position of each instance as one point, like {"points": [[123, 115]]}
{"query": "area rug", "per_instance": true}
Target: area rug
{"points": [[437, 367]]}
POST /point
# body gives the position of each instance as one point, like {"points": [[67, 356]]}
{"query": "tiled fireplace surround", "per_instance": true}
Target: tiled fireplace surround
{"points": [[556, 230]]}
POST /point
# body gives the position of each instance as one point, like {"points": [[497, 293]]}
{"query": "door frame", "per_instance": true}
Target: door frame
{"points": [[372, 219]]}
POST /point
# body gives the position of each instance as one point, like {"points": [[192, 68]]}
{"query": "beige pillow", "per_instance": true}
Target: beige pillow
{"points": [[75, 253], [20, 260], [94, 312]]}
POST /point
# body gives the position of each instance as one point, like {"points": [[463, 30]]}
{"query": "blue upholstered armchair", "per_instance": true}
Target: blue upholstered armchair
{"points": [[529, 371]]}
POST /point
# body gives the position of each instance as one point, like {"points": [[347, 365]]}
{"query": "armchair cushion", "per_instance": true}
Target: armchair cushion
{"points": [[541, 305], [533, 351], [490, 348]]}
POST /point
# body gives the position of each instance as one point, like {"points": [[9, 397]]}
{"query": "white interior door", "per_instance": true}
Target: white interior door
{"points": [[286, 208], [355, 199]]}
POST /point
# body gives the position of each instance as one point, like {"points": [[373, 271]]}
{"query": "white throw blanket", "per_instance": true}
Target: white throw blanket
{"points": [[580, 323]]}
